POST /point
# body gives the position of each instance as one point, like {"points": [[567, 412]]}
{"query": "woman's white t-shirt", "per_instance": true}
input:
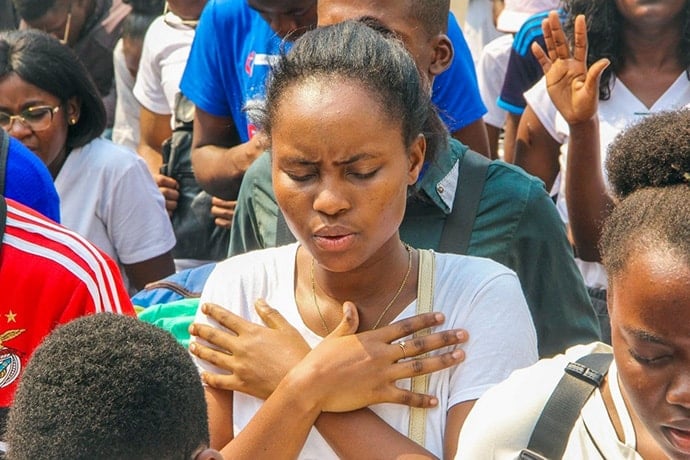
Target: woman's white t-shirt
{"points": [[475, 294]]}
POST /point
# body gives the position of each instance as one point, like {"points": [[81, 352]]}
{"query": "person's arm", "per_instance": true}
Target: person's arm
{"points": [[154, 130], [509, 136], [574, 90], [494, 134], [343, 373], [535, 150], [154, 269], [475, 137], [219, 160]]}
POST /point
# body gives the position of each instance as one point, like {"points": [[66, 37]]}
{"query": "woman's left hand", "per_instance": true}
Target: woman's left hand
{"points": [[278, 347]]}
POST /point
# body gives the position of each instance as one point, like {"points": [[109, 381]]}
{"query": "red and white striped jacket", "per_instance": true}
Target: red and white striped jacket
{"points": [[49, 275]]}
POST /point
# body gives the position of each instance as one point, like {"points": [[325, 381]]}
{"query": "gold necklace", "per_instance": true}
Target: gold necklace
{"points": [[385, 310]]}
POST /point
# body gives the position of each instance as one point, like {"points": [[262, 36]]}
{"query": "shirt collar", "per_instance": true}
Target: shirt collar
{"points": [[440, 178]]}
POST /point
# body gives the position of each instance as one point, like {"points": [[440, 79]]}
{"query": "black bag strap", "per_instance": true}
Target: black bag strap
{"points": [[455, 237], [3, 217], [4, 149], [551, 433]]}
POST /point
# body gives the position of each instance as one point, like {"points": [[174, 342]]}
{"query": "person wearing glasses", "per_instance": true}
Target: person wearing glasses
{"points": [[52, 106], [90, 27]]}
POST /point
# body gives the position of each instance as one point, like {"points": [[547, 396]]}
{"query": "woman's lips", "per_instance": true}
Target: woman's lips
{"points": [[334, 242], [680, 439]]}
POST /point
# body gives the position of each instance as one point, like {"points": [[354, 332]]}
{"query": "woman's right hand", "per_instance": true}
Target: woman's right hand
{"points": [[349, 371], [573, 88]]}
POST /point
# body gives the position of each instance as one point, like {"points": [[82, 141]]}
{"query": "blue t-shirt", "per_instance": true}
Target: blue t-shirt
{"points": [[28, 181], [229, 61], [234, 46]]}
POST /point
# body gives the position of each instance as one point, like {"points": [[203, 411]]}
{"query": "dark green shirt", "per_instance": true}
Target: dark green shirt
{"points": [[516, 224]]}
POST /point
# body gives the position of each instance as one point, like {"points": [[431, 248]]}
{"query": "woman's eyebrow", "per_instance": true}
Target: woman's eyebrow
{"points": [[355, 158], [644, 335]]}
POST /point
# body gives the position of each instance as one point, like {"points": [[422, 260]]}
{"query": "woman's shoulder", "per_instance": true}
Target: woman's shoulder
{"points": [[268, 260], [466, 266], [492, 428], [106, 153]]}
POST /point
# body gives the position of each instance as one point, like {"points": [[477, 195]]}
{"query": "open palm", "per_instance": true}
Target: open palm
{"points": [[573, 88]]}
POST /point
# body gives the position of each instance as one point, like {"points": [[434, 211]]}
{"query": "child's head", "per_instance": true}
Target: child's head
{"points": [[134, 29], [645, 248], [420, 24], [108, 386]]}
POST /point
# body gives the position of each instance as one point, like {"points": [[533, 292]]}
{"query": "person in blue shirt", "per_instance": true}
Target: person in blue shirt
{"points": [[27, 179], [234, 45]]}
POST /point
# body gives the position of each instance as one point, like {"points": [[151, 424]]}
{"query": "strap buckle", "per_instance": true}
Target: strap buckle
{"points": [[585, 373], [528, 454]]}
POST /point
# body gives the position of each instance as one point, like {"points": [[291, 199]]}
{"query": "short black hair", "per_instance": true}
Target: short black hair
{"points": [[30, 10], [135, 25], [648, 167], [41, 60], [147, 7], [108, 386], [377, 61], [431, 14]]}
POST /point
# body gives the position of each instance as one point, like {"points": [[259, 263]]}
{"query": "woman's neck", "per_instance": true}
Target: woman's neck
{"points": [[380, 287], [58, 163], [656, 50]]}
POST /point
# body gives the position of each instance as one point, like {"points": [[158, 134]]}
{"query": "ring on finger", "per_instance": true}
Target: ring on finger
{"points": [[402, 346]]}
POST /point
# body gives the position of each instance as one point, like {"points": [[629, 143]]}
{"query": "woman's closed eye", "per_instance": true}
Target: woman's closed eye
{"points": [[363, 175], [649, 359]]}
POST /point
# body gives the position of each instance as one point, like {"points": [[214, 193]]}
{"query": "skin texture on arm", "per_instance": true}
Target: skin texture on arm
{"points": [[154, 129], [574, 89], [219, 160], [343, 373], [535, 150], [494, 134], [475, 136], [142, 273], [509, 135]]}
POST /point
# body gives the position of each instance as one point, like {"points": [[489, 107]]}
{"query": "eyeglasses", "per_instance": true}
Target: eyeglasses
{"points": [[176, 22], [36, 118]]}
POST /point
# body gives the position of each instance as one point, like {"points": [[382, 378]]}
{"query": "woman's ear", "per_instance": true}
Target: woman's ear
{"points": [[415, 156], [73, 110], [443, 54]]}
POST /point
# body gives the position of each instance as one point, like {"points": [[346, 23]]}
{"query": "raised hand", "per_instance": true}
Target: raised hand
{"points": [[349, 371], [277, 346], [573, 88]]}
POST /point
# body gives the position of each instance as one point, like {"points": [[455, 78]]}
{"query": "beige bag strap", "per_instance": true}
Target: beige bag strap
{"points": [[425, 301]]}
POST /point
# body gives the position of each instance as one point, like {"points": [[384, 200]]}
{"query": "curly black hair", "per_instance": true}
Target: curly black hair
{"points": [[652, 153], [108, 386], [648, 167], [605, 36]]}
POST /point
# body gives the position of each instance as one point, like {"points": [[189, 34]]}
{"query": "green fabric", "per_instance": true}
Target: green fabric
{"points": [[517, 225], [174, 317]]}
